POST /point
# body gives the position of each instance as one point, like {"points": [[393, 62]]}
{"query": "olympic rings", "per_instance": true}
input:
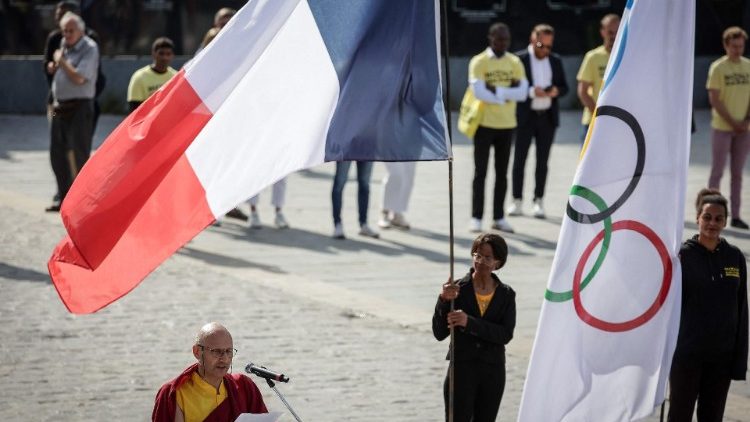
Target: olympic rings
{"points": [[661, 297], [600, 205], [640, 143]]}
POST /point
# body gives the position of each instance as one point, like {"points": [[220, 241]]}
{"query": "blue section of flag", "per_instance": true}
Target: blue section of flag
{"points": [[386, 58]]}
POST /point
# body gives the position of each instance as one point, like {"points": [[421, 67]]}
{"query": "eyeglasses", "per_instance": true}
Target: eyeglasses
{"points": [[219, 353], [541, 46], [481, 258]]}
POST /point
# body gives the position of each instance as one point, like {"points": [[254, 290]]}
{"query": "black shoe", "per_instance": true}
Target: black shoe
{"points": [[738, 223], [55, 207], [238, 214]]}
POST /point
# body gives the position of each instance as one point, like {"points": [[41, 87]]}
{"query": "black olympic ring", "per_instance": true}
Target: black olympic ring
{"points": [[640, 143]]}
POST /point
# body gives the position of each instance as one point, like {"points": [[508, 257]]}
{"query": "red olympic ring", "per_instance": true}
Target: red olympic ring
{"points": [[660, 298]]}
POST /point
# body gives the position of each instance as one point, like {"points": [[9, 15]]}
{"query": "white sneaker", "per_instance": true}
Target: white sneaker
{"points": [[385, 221], [399, 221], [515, 209], [365, 230], [255, 220], [538, 209], [338, 231], [502, 225], [280, 221], [475, 225]]}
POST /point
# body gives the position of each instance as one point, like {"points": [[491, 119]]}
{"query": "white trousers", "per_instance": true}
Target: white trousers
{"points": [[397, 185], [278, 195]]}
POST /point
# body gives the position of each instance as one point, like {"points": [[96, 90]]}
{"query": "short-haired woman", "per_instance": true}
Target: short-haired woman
{"points": [[484, 317]]}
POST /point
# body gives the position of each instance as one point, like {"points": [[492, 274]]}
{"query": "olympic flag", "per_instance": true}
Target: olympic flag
{"points": [[609, 322], [286, 85]]}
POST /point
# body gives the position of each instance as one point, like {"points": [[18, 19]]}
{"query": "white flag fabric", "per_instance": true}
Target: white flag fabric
{"points": [[608, 326]]}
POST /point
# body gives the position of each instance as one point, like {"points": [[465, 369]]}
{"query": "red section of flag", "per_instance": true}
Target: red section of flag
{"points": [[176, 211], [120, 179]]}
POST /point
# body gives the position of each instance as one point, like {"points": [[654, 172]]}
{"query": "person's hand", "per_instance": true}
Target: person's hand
{"points": [[56, 56], [539, 92], [51, 68], [457, 319], [450, 291], [553, 92]]}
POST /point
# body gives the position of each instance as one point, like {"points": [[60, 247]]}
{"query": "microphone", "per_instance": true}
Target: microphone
{"points": [[262, 372]]}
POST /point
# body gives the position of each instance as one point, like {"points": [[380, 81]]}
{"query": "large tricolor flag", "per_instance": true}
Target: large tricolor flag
{"points": [[609, 322], [287, 84]]}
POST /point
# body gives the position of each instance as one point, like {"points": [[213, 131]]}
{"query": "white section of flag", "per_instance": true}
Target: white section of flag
{"points": [[578, 372], [275, 120]]}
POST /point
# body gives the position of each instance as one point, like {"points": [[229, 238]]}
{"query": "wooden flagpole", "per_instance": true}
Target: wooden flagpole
{"points": [[446, 99]]}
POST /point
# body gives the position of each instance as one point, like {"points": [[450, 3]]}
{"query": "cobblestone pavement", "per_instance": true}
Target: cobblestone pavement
{"points": [[348, 321]]}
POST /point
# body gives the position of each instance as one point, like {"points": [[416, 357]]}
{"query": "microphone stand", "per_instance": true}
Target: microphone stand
{"points": [[283, 400]]}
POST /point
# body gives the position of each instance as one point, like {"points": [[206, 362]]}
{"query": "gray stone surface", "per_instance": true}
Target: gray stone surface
{"points": [[348, 321]]}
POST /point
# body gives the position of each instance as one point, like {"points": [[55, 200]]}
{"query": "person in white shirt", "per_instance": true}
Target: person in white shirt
{"points": [[539, 116]]}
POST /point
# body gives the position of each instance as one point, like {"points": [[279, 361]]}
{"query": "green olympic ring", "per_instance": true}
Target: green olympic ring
{"points": [[601, 206]]}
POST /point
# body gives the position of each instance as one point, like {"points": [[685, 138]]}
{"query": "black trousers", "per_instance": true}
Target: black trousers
{"points": [[477, 391], [540, 127], [708, 382], [71, 131], [501, 140]]}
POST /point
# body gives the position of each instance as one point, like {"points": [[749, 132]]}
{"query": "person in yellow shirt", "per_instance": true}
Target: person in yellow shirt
{"points": [[207, 391], [729, 93], [496, 78], [591, 73], [146, 80]]}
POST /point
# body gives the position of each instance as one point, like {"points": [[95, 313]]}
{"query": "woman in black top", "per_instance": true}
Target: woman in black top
{"points": [[712, 342], [484, 319]]}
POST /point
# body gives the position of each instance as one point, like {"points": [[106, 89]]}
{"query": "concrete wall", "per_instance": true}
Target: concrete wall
{"points": [[23, 88]]}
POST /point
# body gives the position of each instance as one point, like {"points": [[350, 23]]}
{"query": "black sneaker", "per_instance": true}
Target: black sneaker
{"points": [[236, 213], [738, 223]]}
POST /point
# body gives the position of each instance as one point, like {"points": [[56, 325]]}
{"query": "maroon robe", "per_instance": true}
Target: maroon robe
{"points": [[243, 396]]}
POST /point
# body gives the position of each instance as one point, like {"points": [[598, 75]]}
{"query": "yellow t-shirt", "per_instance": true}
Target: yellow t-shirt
{"points": [[499, 72], [145, 82], [484, 301], [592, 71], [733, 82], [197, 398]]}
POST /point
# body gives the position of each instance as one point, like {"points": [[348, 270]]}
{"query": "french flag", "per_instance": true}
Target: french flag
{"points": [[287, 85]]}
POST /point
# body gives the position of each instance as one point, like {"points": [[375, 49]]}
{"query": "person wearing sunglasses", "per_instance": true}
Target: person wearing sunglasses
{"points": [[539, 116], [484, 317], [206, 390]]}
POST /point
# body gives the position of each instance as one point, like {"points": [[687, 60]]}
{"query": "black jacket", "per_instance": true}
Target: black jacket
{"points": [[558, 80], [484, 337], [714, 320]]}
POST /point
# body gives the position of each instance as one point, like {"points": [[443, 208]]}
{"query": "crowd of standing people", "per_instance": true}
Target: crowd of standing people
{"points": [[511, 99]]}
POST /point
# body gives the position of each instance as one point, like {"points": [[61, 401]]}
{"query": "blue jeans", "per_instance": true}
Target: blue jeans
{"points": [[364, 171]]}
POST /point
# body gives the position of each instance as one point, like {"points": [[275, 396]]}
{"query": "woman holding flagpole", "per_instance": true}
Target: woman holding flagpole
{"points": [[484, 318], [713, 338]]}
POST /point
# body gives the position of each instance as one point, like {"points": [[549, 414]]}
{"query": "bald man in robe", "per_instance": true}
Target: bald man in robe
{"points": [[206, 391]]}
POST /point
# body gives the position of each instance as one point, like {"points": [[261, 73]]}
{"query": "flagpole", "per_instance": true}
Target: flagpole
{"points": [[448, 121]]}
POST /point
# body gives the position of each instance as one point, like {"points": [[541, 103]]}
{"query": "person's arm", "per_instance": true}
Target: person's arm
{"points": [[49, 61], [483, 93], [739, 366], [583, 95], [86, 67], [516, 93], [439, 318], [560, 83], [718, 105]]}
